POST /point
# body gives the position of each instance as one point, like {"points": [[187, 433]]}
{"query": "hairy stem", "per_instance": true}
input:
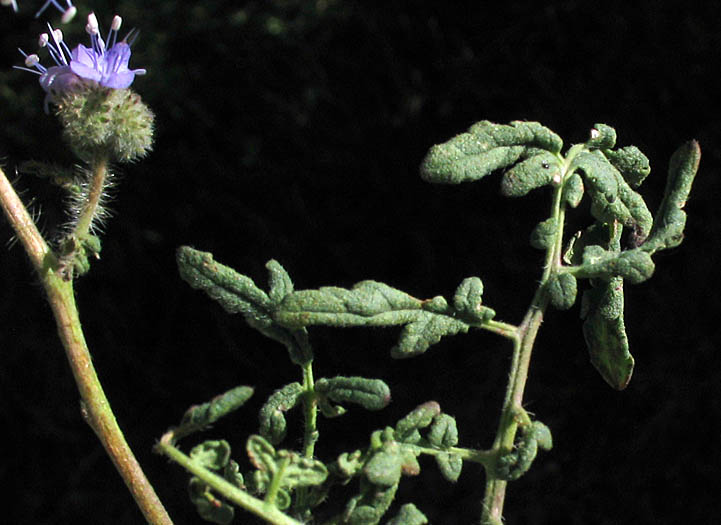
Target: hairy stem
{"points": [[94, 198], [523, 341], [268, 512], [94, 404], [310, 435]]}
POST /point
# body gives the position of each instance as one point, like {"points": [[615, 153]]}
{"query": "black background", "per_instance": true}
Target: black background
{"points": [[293, 130]]}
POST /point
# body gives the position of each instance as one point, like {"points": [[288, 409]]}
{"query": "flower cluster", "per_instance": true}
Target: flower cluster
{"points": [[68, 11], [103, 63]]}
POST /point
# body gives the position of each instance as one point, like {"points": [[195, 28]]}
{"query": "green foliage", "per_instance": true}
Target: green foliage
{"points": [[283, 468], [605, 332], [237, 293], [199, 417], [371, 394], [561, 290], [540, 170], [515, 463], [408, 515], [631, 163], [530, 156], [573, 190], [485, 148], [544, 234], [670, 219], [612, 199], [272, 414]]}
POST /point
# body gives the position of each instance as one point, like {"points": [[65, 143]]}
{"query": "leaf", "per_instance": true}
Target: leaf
{"points": [[485, 148], [670, 221], [406, 429], [467, 301], [384, 467], [444, 432], [207, 505], [544, 234], [633, 265], [279, 281], [425, 330], [611, 196], [408, 515], [450, 466], [540, 170], [602, 137], [292, 469], [235, 292], [562, 289], [370, 303], [367, 303], [198, 417], [631, 163], [300, 471], [211, 454], [542, 434], [573, 190], [261, 454], [232, 474], [239, 294], [515, 463], [371, 394], [272, 413], [605, 333]]}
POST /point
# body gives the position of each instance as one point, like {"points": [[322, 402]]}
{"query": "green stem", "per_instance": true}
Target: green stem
{"points": [[266, 511], [311, 411], [94, 404], [523, 341], [310, 435]]}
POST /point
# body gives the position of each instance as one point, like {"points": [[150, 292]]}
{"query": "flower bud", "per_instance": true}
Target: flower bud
{"points": [[101, 122]]}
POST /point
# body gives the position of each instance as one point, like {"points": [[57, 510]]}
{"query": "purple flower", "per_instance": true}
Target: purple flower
{"points": [[103, 64]]}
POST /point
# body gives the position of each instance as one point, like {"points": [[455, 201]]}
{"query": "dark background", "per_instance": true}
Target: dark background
{"points": [[293, 130]]}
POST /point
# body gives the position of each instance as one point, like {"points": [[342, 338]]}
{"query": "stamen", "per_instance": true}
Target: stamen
{"points": [[92, 25], [10, 3], [43, 40], [69, 14], [113, 34], [32, 60], [57, 36]]}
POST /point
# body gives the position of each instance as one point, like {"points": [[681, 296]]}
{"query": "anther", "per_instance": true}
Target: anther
{"points": [[117, 22], [43, 40], [92, 25], [32, 60], [69, 14]]}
